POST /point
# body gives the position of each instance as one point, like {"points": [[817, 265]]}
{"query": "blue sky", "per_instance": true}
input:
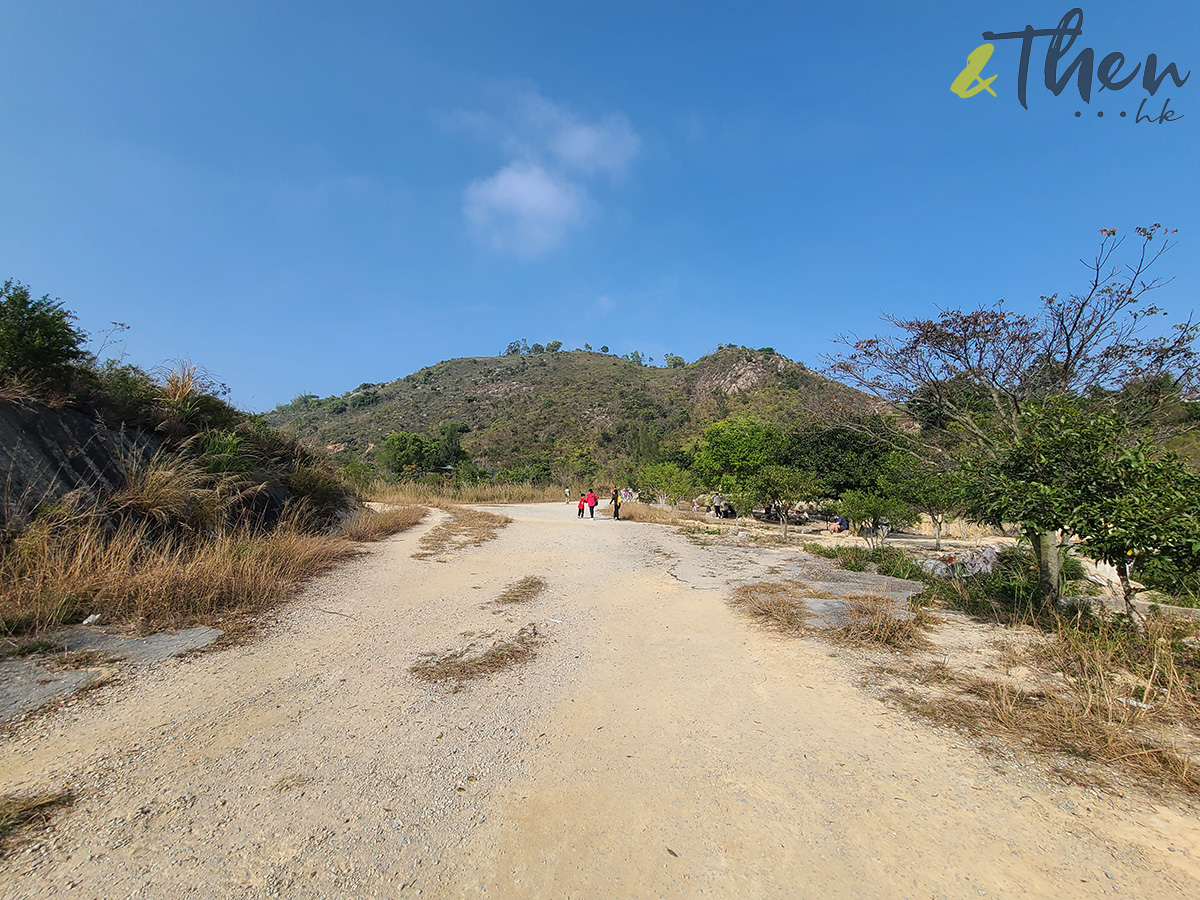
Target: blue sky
{"points": [[304, 196]]}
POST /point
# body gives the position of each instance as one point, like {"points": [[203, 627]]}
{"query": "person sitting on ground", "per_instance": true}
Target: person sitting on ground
{"points": [[841, 523]]}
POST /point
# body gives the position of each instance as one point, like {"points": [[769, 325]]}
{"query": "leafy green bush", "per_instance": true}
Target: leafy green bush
{"points": [[224, 453], [38, 342], [324, 493]]}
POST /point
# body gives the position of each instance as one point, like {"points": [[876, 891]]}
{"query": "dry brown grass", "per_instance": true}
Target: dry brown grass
{"points": [[440, 495], [20, 812], [777, 605], [460, 666], [873, 620], [1097, 694], [637, 511], [522, 591], [465, 527], [1062, 722], [53, 575], [375, 524]]}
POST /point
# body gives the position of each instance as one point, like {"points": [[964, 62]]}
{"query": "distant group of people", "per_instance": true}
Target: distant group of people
{"points": [[591, 499]]}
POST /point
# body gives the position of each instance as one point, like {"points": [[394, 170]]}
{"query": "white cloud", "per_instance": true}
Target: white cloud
{"points": [[604, 146], [524, 209], [532, 202]]}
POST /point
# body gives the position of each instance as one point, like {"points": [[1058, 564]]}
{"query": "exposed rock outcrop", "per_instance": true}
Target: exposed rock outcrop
{"points": [[46, 453]]}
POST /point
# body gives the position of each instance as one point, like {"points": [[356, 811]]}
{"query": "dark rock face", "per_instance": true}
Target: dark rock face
{"points": [[46, 453]]}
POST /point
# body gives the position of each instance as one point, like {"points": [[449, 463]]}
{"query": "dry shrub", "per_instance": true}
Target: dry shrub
{"points": [[28, 810], [54, 575], [465, 527], [462, 665], [1064, 723], [522, 591], [1105, 690], [636, 511], [375, 524], [424, 494], [873, 620], [775, 605]]}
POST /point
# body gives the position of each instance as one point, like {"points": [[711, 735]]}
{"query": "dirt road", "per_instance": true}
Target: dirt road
{"points": [[658, 745]]}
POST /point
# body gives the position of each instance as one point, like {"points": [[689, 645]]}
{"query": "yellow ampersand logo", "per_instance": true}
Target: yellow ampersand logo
{"points": [[968, 83]]}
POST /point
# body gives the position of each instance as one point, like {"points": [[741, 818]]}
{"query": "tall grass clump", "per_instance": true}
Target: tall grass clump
{"points": [[774, 604], [438, 492], [178, 543]]}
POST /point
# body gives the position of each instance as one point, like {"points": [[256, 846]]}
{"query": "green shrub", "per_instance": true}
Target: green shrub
{"points": [[224, 453], [38, 342], [319, 489]]}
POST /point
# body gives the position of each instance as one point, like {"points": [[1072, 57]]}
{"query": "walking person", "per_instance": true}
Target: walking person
{"points": [[582, 501], [615, 503], [592, 500]]}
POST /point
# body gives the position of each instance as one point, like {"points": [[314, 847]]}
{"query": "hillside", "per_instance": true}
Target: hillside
{"points": [[548, 409]]}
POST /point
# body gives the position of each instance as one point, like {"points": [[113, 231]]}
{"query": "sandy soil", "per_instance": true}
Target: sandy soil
{"points": [[658, 745]]}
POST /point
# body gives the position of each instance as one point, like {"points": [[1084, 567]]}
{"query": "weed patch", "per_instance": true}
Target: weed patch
{"points": [[774, 604], [874, 621], [522, 591], [18, 813], [425, 494], [56, 574], [636, 511], [465, 527], [461, 666]]}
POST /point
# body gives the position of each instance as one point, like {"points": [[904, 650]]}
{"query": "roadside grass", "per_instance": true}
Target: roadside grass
{"points": [[465, 527], [20, 812], [422, 493], [463, 665], [145, 570], [636, 511], [522, 591], [369, 524], [777, 605], [51, 577], [872, 621], [1079, 722], [1090, 685], [1097, 686], [888, 560]]}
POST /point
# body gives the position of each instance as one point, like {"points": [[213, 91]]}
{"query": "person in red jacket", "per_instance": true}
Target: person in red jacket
{"points": [[582, 503], [592, 500]]}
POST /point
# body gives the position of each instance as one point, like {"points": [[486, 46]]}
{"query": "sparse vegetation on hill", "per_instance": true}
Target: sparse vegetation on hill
{"points": [[566, 415], [145, 497]]}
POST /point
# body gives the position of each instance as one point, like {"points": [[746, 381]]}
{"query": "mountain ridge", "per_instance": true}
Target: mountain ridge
{"points": [[549, 406]]}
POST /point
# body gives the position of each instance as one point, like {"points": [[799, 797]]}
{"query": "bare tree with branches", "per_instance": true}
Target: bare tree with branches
{"points": [[979, 368]]}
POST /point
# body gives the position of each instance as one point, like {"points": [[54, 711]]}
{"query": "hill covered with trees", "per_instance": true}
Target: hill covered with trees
{"points": [[548, 414]]}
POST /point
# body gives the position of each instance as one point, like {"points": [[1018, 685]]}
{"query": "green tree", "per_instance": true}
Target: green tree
{"points": [[38, 342], [1079, 472], [976, 370], [778, 488], [553, 346], [733, 450], [404, 454], [674, 362], [873, 516], [938, 494], [667, 481], [1143, 505], [447, 451]]}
